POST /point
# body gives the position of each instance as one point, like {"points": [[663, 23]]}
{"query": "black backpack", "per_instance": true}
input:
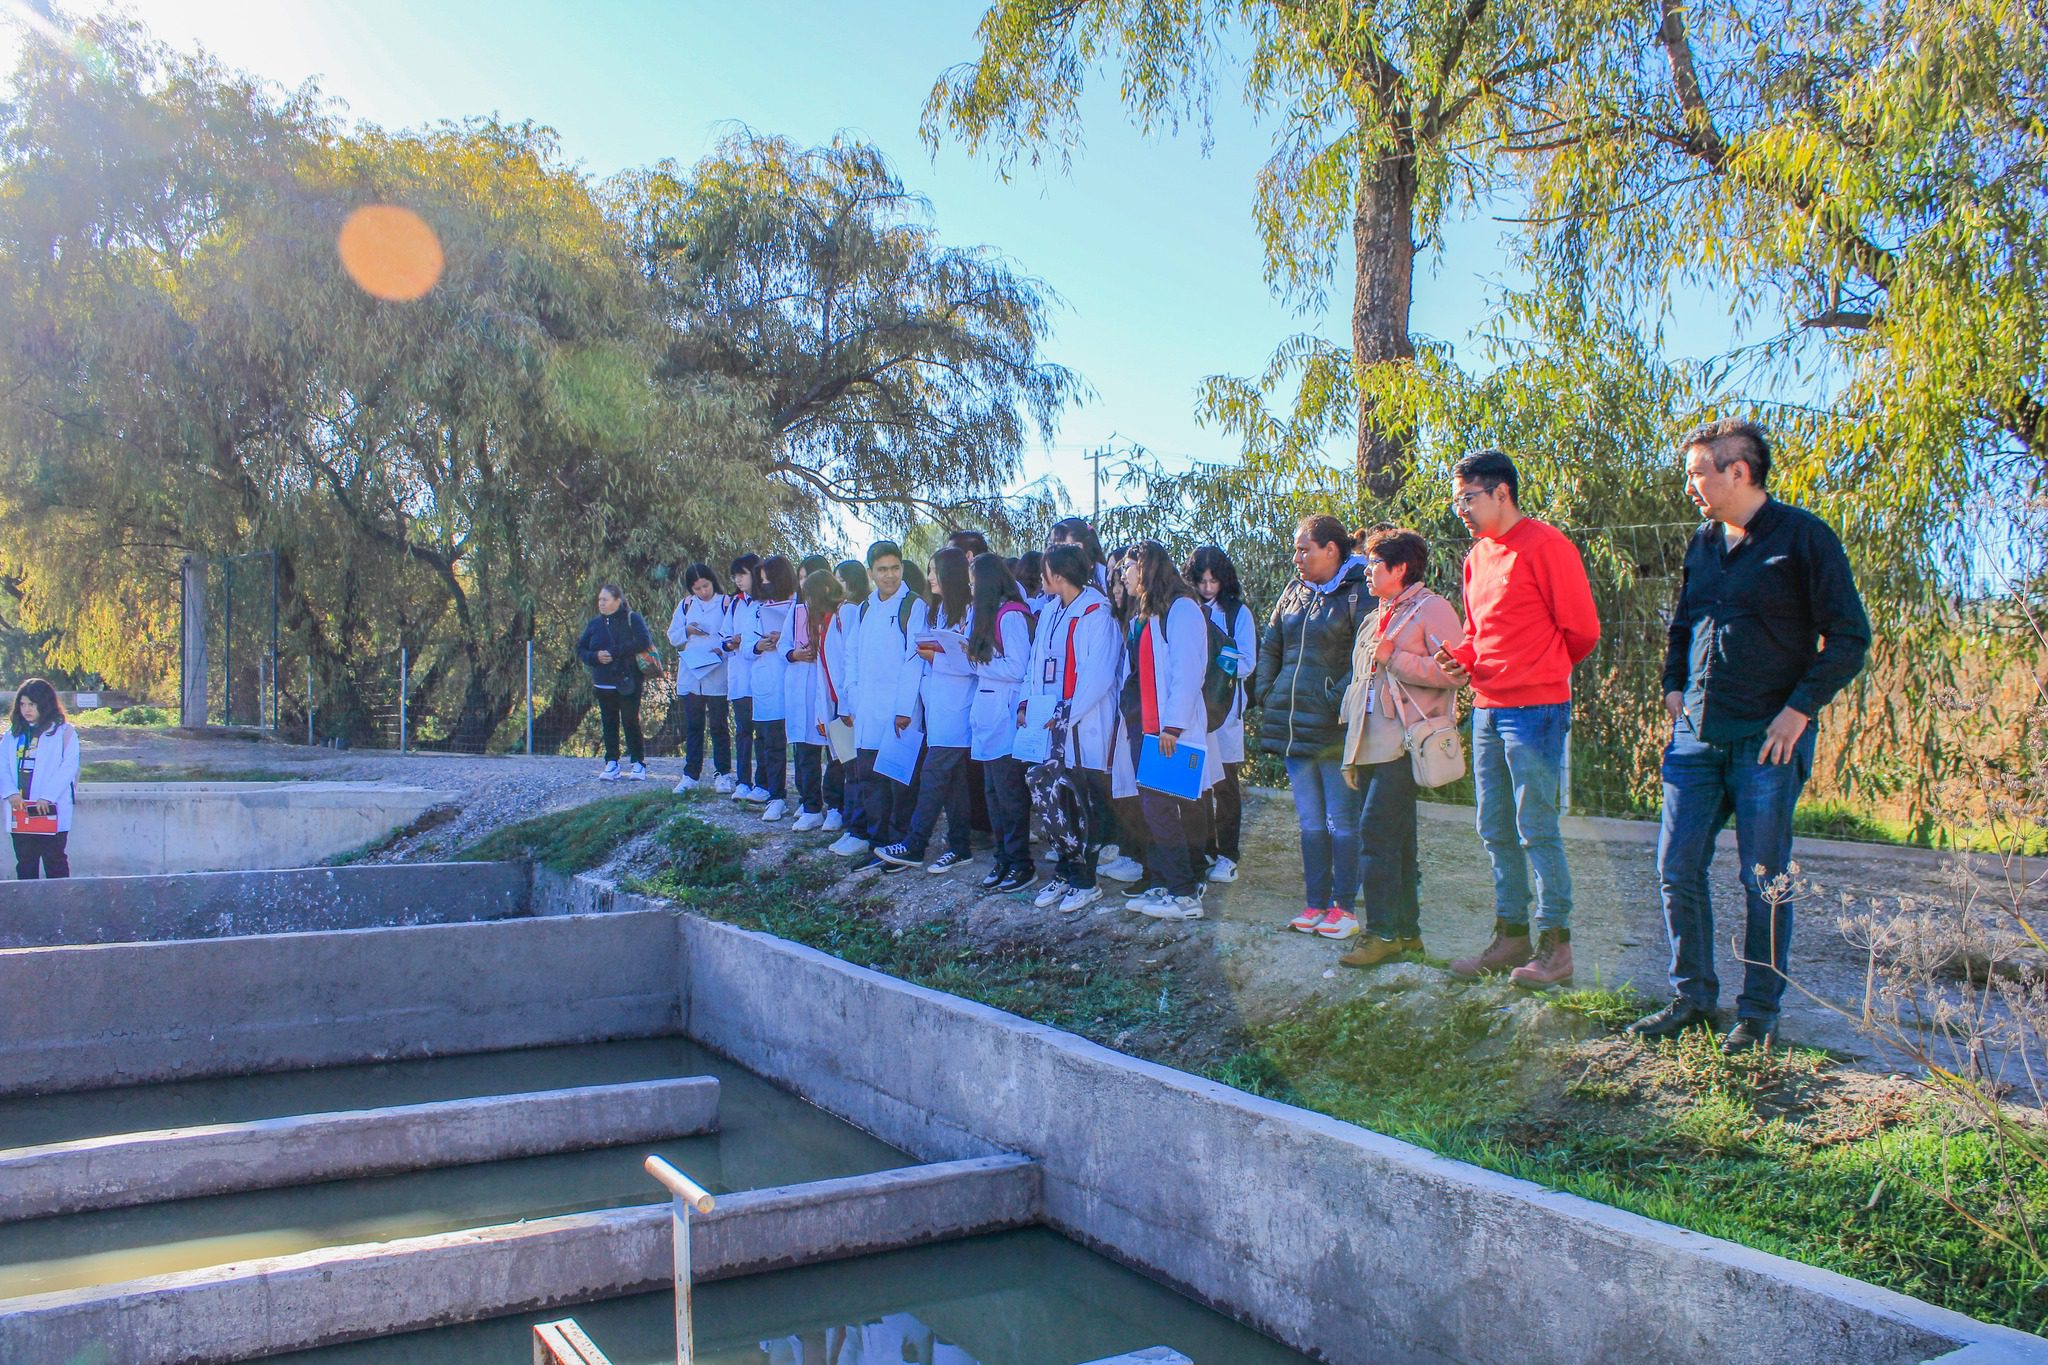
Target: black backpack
{"points": [[1219, 684], [902, 615]]}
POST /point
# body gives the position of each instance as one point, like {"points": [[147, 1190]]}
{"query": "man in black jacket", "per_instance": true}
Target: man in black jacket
{"points": [[1768, 628]]}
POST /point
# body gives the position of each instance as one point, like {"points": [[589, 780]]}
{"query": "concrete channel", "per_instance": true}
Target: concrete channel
{"points": [[1338, 1242]]}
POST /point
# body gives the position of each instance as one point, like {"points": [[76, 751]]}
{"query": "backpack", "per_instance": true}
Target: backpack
{"points": [[902, 615], [1219, 680]]}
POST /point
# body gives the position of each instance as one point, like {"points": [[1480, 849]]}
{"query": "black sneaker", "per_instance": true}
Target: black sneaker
{"points": [[874, 863], [1133, 890], [946, 862], [897, 854], [995, 879], [1749, 1034], [1017, 879], [1674, 1019]]}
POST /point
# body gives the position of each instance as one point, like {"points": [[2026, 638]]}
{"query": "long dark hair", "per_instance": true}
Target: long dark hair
{"points": [[1069, 563], [1159, 582], [777, 579], [703, 571], [1031, 573], [750, 565], [1077, 530], [993, 586], [49, 711], [952, 589], [853, 576], [822, 596], [1120, 600], [1211, 559]]}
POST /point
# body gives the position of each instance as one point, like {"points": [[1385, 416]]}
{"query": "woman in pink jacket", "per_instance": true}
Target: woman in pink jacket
{"points": [[1395, 682]]}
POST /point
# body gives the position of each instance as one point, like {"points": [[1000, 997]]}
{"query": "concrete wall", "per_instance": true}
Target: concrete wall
{"points": [[131, 829], [262, 1307], [121, 1014], [1333, 1239], [223, 904]]}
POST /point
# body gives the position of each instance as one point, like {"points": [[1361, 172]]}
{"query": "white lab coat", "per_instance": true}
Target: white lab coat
{"points": [[992, 718], [56, 770], [708, 615], [765, 671], [1098, 662], [1180, 660], [881, 651], [944, 689], [734, 614], [803, 685], [836, 676], [1244, 633]]}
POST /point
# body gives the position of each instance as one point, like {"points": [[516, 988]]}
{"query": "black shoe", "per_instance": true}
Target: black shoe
{"points": [[1133, 890], [1674, 1019], [1017, 879], [875, 864], [995, 879], [1749, 1034]]}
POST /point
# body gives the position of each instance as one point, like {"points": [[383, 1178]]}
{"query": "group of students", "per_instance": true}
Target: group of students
{"points": [[1104, 694], [981, 693]]}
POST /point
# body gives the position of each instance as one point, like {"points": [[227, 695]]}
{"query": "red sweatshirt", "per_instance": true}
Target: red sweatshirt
{"points": [[1528, 616]]}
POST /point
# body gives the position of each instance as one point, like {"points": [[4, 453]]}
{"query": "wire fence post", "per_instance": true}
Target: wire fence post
{"points": [[309, 701], [401, 698], [276, 716], [529, 698]]}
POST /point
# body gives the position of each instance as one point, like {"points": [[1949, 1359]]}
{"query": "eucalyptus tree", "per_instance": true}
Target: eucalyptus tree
{"points": [[879, 369], [1389, 116]]}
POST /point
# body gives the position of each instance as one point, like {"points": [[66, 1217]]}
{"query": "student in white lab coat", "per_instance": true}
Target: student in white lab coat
{"points": [[938, 684], [1076, 657], [40, 781], [999, 649], [1076, 531], [700, 616], [878, 807], [1172, 658], [807, 699], [766, 642], [836, 662], [1213, 576], [739, 665]]}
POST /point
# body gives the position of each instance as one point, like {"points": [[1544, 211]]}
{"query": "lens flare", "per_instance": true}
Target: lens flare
{"points": [[390, 252]]}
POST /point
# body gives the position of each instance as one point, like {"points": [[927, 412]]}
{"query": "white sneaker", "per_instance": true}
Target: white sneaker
{"points": [[758, 796], [834, 822], [806, 822], [849, 846], [638, 772], [722, 783], [608, 773], [775, 811], [1108, 853], [1079, 899], [1051, 856], [1163, 904], [1223, 870], [741, 791], [686, 784], [1051, 894], [1121, 869]]}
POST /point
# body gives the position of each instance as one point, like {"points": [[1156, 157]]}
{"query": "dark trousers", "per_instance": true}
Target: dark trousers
{"points": [[743, 739], [835, 782], [1705, 785], [1387, 861], [41, 856], [1173, 840], [810, 778], [615, 710], [978, 817], [1226, 816], [942, 789], [883, 805], [1009, 812], [700, 713], [1100, 819], [771, 758]]}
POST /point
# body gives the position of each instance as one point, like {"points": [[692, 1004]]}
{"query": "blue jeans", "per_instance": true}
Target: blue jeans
{"points": [[1327, 810], [1517, 766], [1704, 784]]}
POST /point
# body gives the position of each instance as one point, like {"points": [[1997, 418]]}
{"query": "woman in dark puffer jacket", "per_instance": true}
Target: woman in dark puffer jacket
{"points": [[1304, 669]]}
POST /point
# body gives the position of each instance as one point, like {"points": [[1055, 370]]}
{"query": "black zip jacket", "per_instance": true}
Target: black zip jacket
{"points": [[625, 634], [1305, 665]]}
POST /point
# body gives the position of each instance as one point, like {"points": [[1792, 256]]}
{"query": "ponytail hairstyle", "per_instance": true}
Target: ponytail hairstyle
{"points": [[777, 579], [1030, 573], [952, 590], [993, 587], [1327, 530], [618, 594], [853, 576], [1159, 582], [1210, 559], [1077, 531], [1069, 563], [49, 711]]}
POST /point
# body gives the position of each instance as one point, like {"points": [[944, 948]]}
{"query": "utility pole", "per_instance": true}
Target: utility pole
{"points": [[1095, 458]]}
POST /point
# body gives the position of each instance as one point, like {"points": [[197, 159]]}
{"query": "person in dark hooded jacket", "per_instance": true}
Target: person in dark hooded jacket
{"points": [[1304, 670], [610, 647]]}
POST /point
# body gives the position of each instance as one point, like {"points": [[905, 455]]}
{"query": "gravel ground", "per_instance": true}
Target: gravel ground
{"points": [[1618, 936]]}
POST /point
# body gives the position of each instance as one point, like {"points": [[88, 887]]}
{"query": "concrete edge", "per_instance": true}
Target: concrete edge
{"points": [[128, 1169], [1858, 1295], [1151, 1355], [337, 1294]]}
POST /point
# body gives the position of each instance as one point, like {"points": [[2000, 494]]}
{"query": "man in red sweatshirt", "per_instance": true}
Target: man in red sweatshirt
{"points": [[1529, 618]]}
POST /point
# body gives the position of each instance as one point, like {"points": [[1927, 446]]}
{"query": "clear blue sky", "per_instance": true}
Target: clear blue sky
{"points": [[1149, 242]]}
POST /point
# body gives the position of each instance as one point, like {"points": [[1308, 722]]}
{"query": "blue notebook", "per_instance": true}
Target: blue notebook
{"points": [[1180, 775]]}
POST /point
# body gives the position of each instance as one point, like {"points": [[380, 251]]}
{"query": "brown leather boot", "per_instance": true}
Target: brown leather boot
{"points": [[1509, 950], [1552, 965], [1371, 951]]}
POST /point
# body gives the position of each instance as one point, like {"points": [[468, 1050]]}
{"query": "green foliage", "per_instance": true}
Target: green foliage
{"points": [[142, 715], [578, 838], [128, 770]]}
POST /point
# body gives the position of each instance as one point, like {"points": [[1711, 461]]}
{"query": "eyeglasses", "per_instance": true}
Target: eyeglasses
{"points": [[1372, 564], [1464, 500]]}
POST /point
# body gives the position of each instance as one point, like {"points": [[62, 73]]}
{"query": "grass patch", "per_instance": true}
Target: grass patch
{"points": [[579, 838], [134, 717], [128, 770]]}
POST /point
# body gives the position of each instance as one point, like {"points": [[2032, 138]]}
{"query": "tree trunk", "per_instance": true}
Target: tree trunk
{"points": [[1383, 240]]}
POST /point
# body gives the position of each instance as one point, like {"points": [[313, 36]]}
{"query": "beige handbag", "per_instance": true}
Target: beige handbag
{"points": [[1434, 750]]}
